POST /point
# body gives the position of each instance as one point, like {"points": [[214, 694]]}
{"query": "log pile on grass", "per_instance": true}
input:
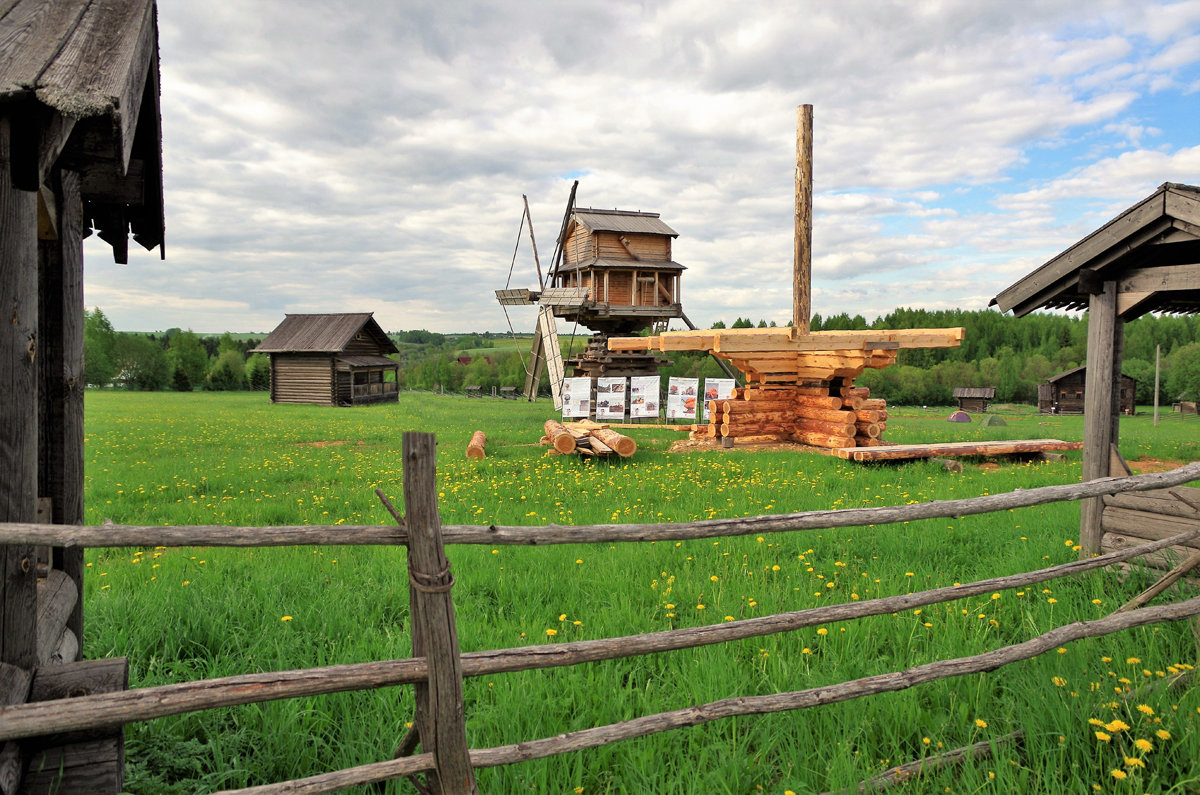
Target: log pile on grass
{"points": [[587, 439]]}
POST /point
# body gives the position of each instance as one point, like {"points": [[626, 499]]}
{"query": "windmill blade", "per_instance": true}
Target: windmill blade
{"points": [[533, 242], [562, 231]]}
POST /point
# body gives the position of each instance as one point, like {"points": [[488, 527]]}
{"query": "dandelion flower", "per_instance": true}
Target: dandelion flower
{"points": [[1162, 734], [1133, 761], [1116, 725], [1145, 709], [1143, 745], [286, 618], [1117, 773], [822, 631], [980, 723], [552, 632], [1103, 736]]}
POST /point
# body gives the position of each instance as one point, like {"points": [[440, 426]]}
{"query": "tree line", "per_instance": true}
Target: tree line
{"points": [[176, 359], [1012, 354]]}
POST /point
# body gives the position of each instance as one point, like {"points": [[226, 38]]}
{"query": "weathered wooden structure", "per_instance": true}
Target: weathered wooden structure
{"points": [[974, 398], [80, 151], [331, 360], [1147, 259], [1066, 393]]}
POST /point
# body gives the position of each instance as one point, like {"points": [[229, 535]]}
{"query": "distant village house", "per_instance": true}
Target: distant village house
{"points": [[974, 398], [1064, 393], [331, 360]]}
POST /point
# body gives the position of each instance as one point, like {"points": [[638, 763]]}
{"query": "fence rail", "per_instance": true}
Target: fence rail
{"points": [[437, 668]]}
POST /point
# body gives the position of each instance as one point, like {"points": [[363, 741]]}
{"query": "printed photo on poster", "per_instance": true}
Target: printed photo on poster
{"points": [[611, 398], [717, 389], [576, 397], [643, 395], [682, 398]]}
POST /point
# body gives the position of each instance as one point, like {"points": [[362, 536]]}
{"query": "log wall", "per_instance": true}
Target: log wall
{"points": [[302, 379], [1130, 520]]}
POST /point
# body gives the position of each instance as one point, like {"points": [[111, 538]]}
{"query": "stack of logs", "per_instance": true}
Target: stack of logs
{"points": [[823, 415], [588, 439]]}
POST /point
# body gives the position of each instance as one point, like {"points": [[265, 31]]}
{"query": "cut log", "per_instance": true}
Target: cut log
{"points": [[868, 429], [822, 439], [750, 406], [874, 404], [853, 402], [766, 438], [561, 439], [855, 391], [475, 448], [828, 402], [623, 445], [821, 426], [828, 415], [870, 415]]}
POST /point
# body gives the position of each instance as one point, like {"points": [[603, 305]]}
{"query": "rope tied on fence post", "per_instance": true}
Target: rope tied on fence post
{"points": [[441, 582]]}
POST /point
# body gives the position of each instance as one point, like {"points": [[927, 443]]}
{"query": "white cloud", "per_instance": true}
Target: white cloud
{"points": [[359, 156]]}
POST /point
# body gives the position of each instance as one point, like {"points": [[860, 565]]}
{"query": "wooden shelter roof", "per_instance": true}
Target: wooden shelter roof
{"points": [[987, 392], [621, 221], [79, 82], [1152, 251], [323, 333]]}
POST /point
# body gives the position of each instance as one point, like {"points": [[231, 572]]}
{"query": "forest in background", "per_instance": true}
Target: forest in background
{"points": [[1012, 354]]}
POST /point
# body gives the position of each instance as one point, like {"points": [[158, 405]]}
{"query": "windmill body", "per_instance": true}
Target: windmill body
{"points": [[613, 274]]}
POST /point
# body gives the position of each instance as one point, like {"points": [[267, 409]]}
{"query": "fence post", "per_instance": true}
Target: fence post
{"points": [[440, 718]]}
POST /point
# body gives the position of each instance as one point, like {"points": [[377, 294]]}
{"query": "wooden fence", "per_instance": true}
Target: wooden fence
{"points": [[437, 667]]}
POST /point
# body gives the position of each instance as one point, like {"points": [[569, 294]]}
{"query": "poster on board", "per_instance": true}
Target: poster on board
{"points": [[717, 389], [643, 395], [611, 398], [576, 397], [682, 398]]}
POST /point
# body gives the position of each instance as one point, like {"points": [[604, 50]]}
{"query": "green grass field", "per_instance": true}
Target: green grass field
{"points": [[232, 458]]}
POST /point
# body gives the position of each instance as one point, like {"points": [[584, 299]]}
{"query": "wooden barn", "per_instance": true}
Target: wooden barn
{"points": [[1065, 393], [80, 152], [624, 259], [331, 360], [1147, 259], [974, 398]]}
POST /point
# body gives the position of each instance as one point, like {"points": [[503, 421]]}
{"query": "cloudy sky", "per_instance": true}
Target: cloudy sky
{"points": [[325, 156]]}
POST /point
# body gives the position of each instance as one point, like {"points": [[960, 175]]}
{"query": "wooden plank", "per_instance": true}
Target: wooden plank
{"points": [[57, 597], [1154, 502], [1098, 414], [19, 419], [889, 452], [1146, 525], [60, 375], [31, 34], [1160, 278]]}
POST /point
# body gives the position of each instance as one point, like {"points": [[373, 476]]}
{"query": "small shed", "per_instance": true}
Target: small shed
{"points": [[331, 359], [624, 259], [1066, 393], [974, 398], [1147, 259]]}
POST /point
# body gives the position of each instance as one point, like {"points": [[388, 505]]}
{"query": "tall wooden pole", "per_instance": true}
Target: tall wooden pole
{"points": [[1098, 417], [802, 265], [18, 409]]}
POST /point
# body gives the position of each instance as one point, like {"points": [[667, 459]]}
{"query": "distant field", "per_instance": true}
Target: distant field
{"points": [[233, 458]]}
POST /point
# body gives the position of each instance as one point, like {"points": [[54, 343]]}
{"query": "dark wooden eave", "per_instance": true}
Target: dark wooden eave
{"points": [[1152, 252], [79, 84]]}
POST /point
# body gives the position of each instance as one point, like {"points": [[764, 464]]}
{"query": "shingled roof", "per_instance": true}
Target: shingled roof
{"points": [[621, 221], [1152, 250], [329, 333], [79, 79]]}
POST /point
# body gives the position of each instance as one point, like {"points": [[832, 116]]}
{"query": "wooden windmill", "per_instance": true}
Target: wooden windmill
{"points": [[613, 274]]}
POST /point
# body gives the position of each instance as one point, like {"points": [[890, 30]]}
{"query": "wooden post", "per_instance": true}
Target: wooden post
{"points": [[1097, 409], [19, 417], [440, 720], [60, 376], [1157, 352], [802, 265]]}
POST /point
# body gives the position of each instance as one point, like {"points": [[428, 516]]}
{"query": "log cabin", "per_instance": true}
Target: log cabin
{"points": [[1067, 391], [331, 360], [80, 153]]}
